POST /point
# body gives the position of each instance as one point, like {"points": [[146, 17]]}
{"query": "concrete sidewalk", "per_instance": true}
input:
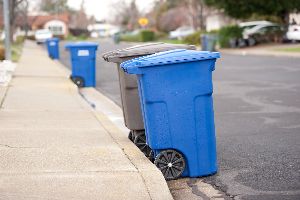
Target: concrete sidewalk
{"points": [[54, 146]]}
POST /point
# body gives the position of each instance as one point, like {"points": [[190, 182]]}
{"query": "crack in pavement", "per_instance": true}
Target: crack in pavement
{"points": [[191, 183]]}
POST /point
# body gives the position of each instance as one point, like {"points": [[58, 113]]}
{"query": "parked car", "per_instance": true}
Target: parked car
{"points": [[263, 33], [42, 35], [94, 34], [181, 32], [251, 24], [293, 33]]}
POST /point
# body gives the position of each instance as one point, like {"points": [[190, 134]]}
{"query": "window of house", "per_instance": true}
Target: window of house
{"points": [[56, 30]]}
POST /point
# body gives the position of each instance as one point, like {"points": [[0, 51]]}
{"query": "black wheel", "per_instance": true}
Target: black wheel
{"points": [[78, 81], [151, 156], [140, 142], [171, 163], [131, 136]]}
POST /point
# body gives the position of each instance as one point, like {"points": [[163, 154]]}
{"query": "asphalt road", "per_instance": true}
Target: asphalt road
{"points": [[257, 116]]}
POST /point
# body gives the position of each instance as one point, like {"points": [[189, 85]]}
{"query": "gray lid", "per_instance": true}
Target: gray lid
{"points": [[119, 55]]}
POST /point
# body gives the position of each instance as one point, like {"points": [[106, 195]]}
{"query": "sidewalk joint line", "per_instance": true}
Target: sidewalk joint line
{"points": [[4, 96]]}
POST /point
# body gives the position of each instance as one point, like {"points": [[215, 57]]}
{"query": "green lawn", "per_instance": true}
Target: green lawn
{"points": [[171, 41], [76, 38], [290, 49], [16, 51]]}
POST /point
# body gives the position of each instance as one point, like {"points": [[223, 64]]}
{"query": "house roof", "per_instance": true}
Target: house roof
{"points": [[40, 20]]}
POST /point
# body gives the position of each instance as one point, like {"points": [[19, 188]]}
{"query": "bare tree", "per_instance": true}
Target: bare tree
{"points": [[192, 12], [54, 6], [170, 20], [196, 13], [126, 15], [18, 13], [22, 13], [79, 19]]}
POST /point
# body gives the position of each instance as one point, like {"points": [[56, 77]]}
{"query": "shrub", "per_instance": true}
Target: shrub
{"points": [[142, 36], [130, 38], [20, 39], [83, 37], [227, 33], [76, 38], [30, 37], [2, 53], [194, 38], [172, 41], [61, 37], [214, 31], [70, 37], [161, 35], [147, 35]]}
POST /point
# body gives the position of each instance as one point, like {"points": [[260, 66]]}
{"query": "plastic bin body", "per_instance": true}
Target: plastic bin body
{"points": [[130, 100], [83, 61], [177, 102], [128, 83], [53, 48]]}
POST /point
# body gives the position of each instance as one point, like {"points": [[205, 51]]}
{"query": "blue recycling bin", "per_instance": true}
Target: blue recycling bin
{"points": [[53, 47], [83, 61], [175, 90]]}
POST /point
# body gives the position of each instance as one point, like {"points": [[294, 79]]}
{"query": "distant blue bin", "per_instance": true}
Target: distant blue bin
{"points": [[53, 47], [83, 61], [176, 95], [208, 42]]}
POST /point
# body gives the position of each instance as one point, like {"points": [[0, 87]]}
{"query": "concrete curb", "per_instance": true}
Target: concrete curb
{"points": [[259, 52], [153, 179]]}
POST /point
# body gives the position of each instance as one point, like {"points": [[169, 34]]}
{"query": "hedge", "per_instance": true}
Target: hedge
{"points": [[229, 32]]}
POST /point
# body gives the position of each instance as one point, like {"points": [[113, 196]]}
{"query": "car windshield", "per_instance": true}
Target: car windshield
{"points": [[248, 27], [185, 28], [259, 27]]}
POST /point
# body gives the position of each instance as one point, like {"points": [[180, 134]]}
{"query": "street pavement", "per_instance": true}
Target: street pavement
{"points": [[257, 116]]}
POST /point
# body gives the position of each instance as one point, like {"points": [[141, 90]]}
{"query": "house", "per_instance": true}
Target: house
{"points": [[294, 18], [216, 19], [57, 24]]}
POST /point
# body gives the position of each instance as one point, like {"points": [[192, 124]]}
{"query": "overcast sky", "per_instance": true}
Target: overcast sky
{"points": [[102, 9]]}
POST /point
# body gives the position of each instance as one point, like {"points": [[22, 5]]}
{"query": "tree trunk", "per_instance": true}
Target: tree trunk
{"points": [[201, 17], [285, 17]]}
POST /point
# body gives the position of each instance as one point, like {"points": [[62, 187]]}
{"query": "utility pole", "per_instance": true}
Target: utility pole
{"points": [[7, 29]]}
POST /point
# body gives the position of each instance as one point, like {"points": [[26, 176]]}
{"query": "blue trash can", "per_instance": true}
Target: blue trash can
{"points": [[83, 61], [53, 47], [175, 90]]}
